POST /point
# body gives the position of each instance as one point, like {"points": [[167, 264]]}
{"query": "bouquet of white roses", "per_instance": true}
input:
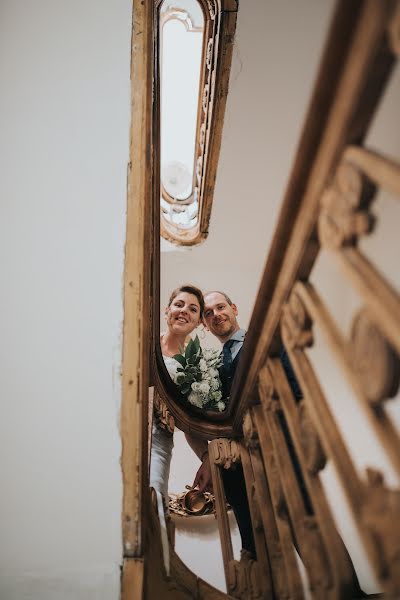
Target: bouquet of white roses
{"points": [[198, 378]]}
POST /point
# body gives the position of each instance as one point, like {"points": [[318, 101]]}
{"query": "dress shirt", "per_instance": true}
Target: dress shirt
{"points": [[238, 339]]}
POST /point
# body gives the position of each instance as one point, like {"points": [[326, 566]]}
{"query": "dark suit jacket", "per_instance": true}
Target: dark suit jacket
{"points": [[226, 379]]}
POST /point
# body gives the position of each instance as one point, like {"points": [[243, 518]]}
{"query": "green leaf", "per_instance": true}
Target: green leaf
{"points": [[196, 343], [180, 359], [191, 350]]}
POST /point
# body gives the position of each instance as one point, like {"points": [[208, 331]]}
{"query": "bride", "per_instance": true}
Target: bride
{"points": [[183, 314]]}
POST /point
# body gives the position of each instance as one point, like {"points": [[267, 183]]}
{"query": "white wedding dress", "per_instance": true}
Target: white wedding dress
{"points": [[160, 461]]}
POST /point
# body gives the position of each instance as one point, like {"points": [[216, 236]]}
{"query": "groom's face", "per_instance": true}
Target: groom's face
{"points": [[220, 316]]}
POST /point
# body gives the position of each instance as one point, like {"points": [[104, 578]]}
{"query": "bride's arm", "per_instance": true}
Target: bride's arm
{"points": [[203, 476]]}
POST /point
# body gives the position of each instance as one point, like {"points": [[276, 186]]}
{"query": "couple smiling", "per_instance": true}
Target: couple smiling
{"points": [[187, 309]]}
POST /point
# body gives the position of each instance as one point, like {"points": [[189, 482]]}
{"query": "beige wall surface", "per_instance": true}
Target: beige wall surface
{"points": [[64, 121]]}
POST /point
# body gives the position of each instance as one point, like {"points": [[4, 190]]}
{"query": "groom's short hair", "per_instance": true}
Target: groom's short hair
{"points": [[229, 301]]}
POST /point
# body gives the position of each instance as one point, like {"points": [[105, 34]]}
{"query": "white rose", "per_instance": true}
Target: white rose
{"points": [[179, 377], [195, 386], [214, 384], [195, 399], [208, 353], [221, 406], [213, 372], [203, 365], [204, 387]]}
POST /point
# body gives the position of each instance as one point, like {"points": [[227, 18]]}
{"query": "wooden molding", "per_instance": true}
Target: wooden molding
{"points": [[137, 278], [219, 30]]}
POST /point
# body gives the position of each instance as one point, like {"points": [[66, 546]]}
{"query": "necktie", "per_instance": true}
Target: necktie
{"points": [[227, 358]]}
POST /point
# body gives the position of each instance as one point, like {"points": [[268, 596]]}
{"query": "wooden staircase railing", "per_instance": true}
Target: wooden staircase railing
{"points": [[286, 445]]}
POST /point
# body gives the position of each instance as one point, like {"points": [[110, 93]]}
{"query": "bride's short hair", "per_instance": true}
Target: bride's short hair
{"points": [[189, 289]]}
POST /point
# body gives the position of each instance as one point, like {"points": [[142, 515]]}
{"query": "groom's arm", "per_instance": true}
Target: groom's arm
{"points": [[203, 476]]}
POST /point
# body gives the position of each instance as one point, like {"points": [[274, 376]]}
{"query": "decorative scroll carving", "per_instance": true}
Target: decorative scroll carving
{"points": [[212, 8], [250, 432], [394, 31], [344, 212], [267, 391], [186, 221], [313, 452], [227, 453], [206, 93], [244, 579], [373, 359], [209, 54], [296, 324], [380, 514], [162, 414]]}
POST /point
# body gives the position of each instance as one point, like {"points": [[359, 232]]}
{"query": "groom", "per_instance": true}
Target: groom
{"points": [[220, 316]]}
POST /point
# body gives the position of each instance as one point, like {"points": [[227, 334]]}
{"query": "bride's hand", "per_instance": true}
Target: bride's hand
{"points": [[203, 476]]}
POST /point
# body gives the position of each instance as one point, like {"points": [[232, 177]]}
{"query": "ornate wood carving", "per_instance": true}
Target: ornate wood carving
{"points": [[296, 323], [279, 538], [314, 454], [309, 542], [373, 359], [377, 416], [344, 212], [226, 453], [244, 580], [163, 414], [219, 29], [380, 514], [250, 432]]}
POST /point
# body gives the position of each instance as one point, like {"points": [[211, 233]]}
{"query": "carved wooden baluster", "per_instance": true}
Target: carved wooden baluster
{"points": [[301, 418], [343, 218], [345, 353], [285, 574], [258, 529], [304, 522], [358, 494], [380, 515], [290, 573], [312, 459], [245, 579]]}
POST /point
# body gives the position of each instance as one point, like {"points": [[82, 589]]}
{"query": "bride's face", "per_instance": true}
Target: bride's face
{"points": [[183, 314]]}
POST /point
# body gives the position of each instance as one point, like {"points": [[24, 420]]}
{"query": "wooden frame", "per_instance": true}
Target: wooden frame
{"points": [[219, 30], [136, 331]]}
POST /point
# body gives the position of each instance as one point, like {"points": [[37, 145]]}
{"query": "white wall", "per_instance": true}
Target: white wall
{"points": [[64, 121]]}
